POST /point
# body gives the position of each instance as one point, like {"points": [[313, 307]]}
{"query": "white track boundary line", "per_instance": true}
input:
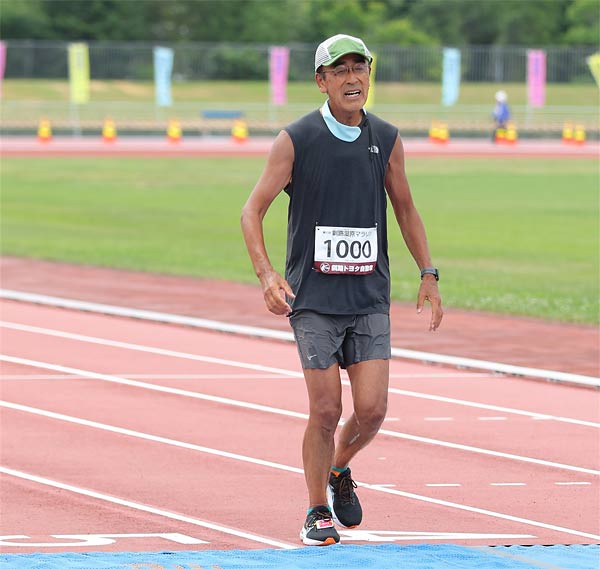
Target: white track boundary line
{"points": [[278, 411], [278, 371], [279, 466], [145, 508], [151, 386], [288, 337]]}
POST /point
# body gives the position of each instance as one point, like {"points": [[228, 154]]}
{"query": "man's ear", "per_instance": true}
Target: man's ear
{"points": [[321, 82]]}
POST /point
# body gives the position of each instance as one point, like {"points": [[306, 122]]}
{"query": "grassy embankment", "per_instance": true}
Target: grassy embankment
{"points": [[518, 237]]}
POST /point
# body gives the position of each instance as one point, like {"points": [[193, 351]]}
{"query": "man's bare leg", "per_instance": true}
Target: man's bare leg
{"points": [[325, 404], [369, 380]]}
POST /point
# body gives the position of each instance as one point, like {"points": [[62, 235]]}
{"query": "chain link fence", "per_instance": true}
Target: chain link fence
{"points": [[218, 61], [133, 61]]}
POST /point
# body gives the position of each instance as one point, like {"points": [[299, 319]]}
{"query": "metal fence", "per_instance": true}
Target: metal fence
{"points": [[133, 61], [208, 61]]}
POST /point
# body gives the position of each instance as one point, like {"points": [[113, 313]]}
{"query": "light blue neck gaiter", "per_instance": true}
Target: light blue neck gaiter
{"points": [[339, 130]]}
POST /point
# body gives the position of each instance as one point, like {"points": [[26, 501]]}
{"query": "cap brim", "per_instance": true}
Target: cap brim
{"points": [[339, 56]]}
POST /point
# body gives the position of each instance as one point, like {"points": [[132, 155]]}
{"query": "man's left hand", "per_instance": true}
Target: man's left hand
{"points": [[429, 291]]}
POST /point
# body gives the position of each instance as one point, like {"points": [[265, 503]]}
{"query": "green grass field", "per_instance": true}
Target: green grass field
{"points": [[210, 92], [410, 106], [518, 237]]}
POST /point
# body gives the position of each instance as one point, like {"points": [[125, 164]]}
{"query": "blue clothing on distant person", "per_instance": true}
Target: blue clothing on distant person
{"points": [[501, 114], [501, 110]]}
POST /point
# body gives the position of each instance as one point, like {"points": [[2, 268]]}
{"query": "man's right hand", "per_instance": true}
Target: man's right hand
{"points": [[275, 288]]}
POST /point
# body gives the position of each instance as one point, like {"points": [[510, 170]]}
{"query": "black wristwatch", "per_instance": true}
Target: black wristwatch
{"points": [[430, 271]]}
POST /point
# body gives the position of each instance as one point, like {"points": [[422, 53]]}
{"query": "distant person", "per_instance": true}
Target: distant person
{"points": [[501, 113], [336, 164]]}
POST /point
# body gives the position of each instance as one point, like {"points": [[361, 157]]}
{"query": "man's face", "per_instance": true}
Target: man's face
{"points": [[346, 82]]}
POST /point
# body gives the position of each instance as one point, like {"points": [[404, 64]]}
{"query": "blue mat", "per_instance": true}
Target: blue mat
{"points": [[388, 556]]}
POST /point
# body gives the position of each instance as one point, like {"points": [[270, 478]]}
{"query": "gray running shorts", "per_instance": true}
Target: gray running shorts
{"points": [[324, 339]]}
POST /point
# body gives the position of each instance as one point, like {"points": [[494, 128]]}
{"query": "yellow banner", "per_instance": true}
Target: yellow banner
{"points": [[371, 96], [79, 73], [593, 62]]}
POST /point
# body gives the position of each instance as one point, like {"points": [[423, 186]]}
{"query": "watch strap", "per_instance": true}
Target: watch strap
{"points": [[430, 271]]}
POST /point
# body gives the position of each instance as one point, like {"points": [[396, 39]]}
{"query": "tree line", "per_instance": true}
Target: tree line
{"points": [[398, 22]]}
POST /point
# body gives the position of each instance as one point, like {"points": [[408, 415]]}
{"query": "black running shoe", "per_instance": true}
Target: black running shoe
{"points": [[343, 501], [318, 528]]}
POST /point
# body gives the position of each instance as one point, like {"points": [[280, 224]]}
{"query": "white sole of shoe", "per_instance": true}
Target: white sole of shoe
{"points": [[307, 541], [335, 518]]}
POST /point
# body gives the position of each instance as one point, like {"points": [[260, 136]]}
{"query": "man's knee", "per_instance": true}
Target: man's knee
{"points": [[326, 415], [371, 416]]}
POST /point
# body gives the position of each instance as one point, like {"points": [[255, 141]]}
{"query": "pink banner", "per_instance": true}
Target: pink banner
{"points": [[2, 64], [279, 58], [536, 77]]}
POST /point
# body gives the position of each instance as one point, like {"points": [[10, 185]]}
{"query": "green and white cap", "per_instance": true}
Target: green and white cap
{"points": [[337, 46]]}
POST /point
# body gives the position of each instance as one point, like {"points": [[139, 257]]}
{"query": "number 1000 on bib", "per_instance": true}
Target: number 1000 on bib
{"points": [[345, 250]]}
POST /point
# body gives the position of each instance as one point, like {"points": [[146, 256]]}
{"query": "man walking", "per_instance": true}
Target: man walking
{"points": [[337, 164]]}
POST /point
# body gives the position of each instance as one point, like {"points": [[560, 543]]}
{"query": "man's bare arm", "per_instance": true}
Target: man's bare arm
{"points": [[412, 230], [275, 177]]}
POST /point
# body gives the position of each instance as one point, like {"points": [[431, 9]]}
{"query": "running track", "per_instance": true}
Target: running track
{"points": [[175, 438]]}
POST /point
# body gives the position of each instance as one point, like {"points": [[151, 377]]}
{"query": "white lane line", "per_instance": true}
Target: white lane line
{"points": [[573, 483], [278, 466], [164, 376], [394, 535], [152, 386], [146, 436], [145, 508], [280, 371], [510, 410], [284, 412], [150, 350], [441, 375], [214, 325]]}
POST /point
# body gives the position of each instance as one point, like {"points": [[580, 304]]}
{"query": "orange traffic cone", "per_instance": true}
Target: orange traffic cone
{"points": [[434, 131], [444, 134], [579, 134], [174, 131], [109, 131], [567, 133], [44, 131], [438, 132], [239, 131], [500, 135], [511, 134]]}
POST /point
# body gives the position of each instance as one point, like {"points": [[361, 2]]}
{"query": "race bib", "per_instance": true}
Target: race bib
{"points": [[345, 250]]}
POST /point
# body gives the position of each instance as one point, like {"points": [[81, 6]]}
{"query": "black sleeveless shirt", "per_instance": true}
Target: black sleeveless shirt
{"points": [[340, 184]]}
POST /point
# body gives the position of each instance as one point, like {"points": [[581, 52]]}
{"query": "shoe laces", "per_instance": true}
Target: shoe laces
{"points": [[346, 490], [317, 515]]}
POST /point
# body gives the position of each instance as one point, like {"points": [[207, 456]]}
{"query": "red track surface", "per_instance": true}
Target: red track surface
{"points": [[206, 464], [259, 146]]}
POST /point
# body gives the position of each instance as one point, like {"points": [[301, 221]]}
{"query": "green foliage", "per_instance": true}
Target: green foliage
{"points": [[583, 17], [400, 22], [507, 22], [24, 20], [76, 19], [516, 237], [235, 62], [400, 32], [540, 22]]}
